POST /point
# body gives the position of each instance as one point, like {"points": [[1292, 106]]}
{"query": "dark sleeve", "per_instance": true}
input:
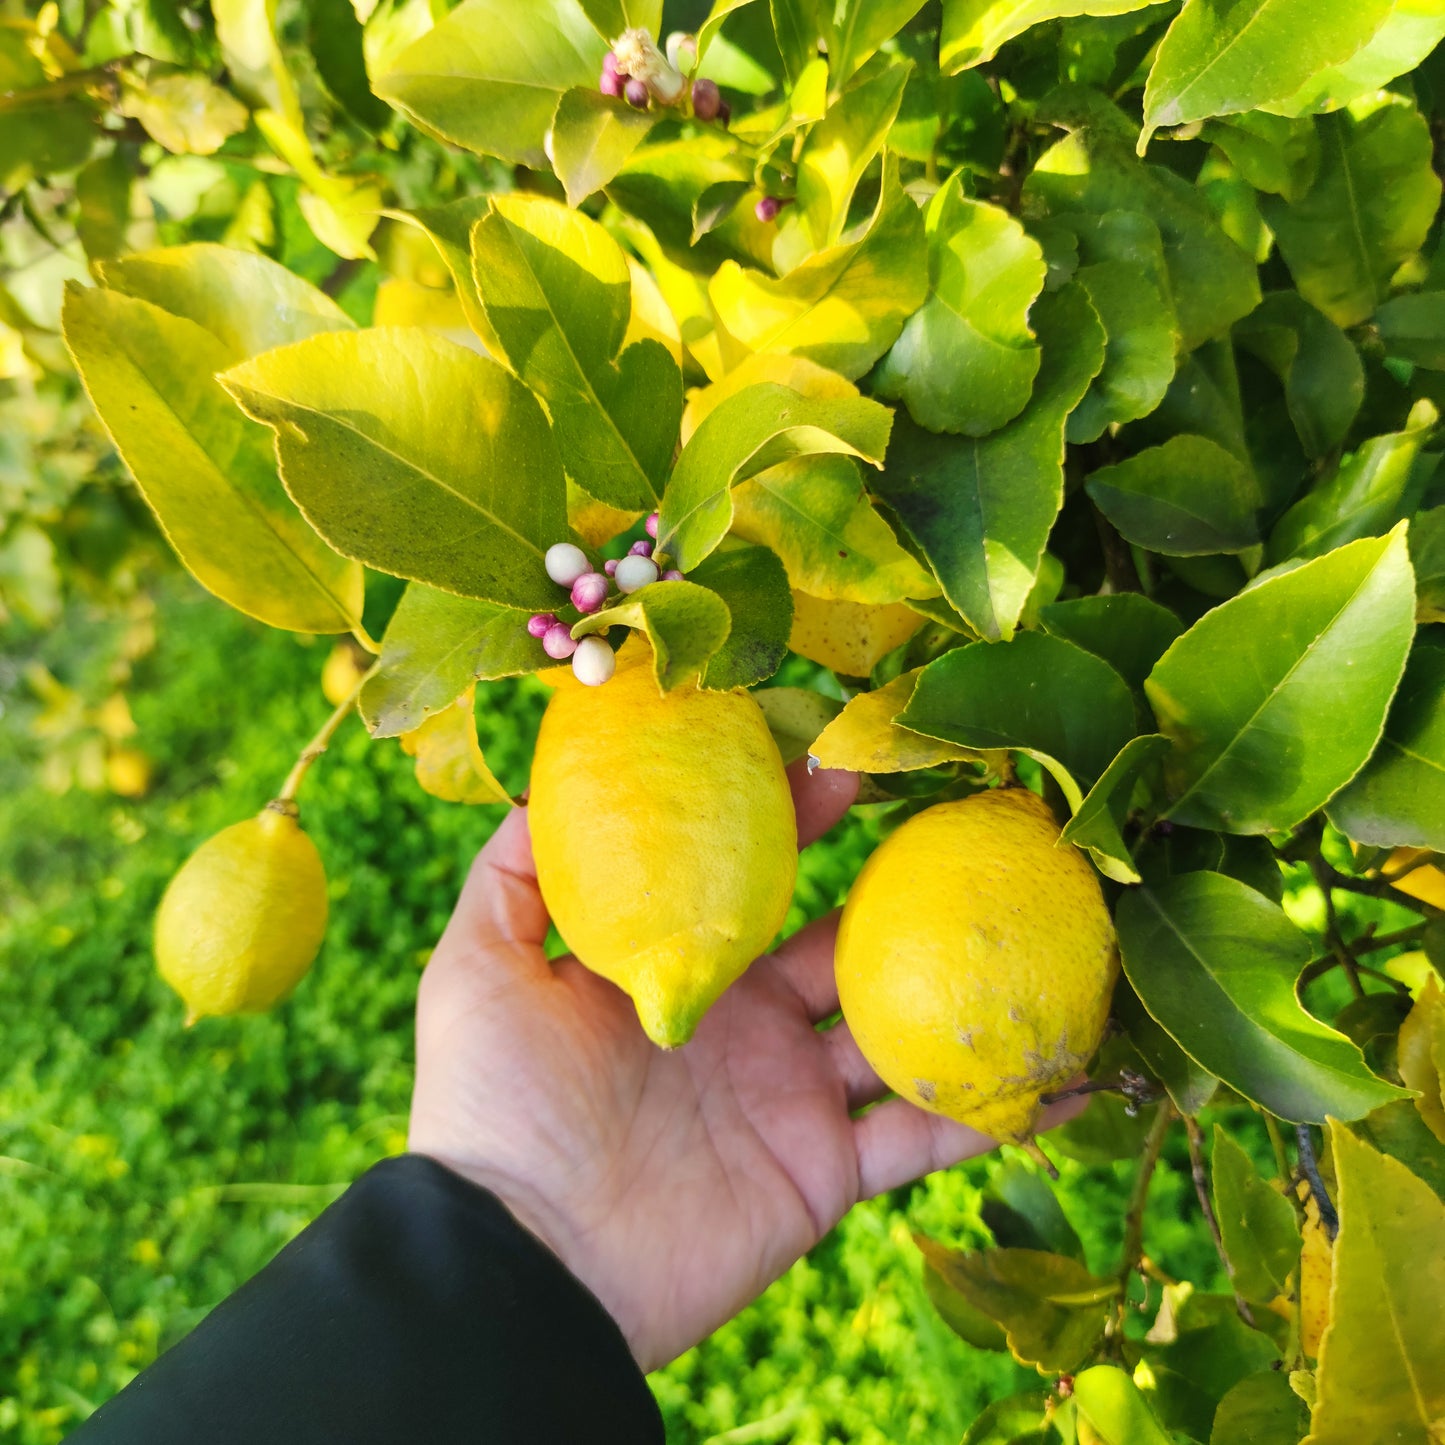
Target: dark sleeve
{"points": [[415, 1309]]}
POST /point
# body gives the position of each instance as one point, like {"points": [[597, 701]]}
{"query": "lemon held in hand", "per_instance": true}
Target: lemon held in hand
{"points": [[976, 960], [664, 836], [243, 919]]}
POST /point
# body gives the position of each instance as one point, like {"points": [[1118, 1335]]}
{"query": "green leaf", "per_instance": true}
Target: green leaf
{"points": [[1187, 498], [687, 626], [1257, 1223], [858, 27], [796, 716], [1399, 796], [1413, 329], [1270, 152], [450, 229], [592, 137], [103, 195], [185, 113], [1170, 850], [966, 359], [865, 739], [1370, 207], [1128, 630], [836, 152], [973, 30], [1111, 1402], [1275, 699], [1025, 1213], [755, 429], [981, 509], [334, 35], [1213, 282], [46, 132], [1222, 56], [612, 17], [797, 29], [558, 295], [753, 584], [1019, 1420], [1215, 963], [1365, 495], [416, 456], [814, 513], [1262, 1409], [1399, 1131], [1097, 824], [449, 762], [1381, 1372], [1324, 382], [1051, 1308], [1037, 694], [435, 646], [248, 302], [715, 204], [843, 307], [1189, 1086], [1427, 555], [1412, 29], [489, 75], [206, 471]]}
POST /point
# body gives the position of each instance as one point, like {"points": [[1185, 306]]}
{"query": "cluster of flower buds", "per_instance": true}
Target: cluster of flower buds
{"points": [[588, 590], [639, 72]]}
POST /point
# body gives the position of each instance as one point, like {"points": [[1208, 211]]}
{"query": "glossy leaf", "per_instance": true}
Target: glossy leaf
{"points": [[435, 646], [1037, 694], [1413, 328], [1019, 1420], [1186, 498], [205, 470], [967, 359], [592, 137], [1324, 382], [558, 295], [449, 762], [1369, 208], [973, 30], [753, 430], [1215, 964], [1112, 1404], [796, 717], [450, 229], [1381, 1372], [687, 626], [1231, 55], [1051, 1308], [843, 307], [1275, 699], [489, 75], [1271, 152], [1399, 795], [334, 36], [1261, 1234], [453, 456], [1097, 824], [753, 584], [1128, 630], [850, 637], [1427, 555], [1422, 1055], [865, 739], [814, 513], [858, 27], [1188, 1085], [612, 17], [981, 509]]}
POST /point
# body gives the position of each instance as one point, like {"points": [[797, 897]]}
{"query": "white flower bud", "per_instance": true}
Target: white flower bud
{"points": [[638, 57], [593, 662], [565, 563], [634, 572], [682, 51]]}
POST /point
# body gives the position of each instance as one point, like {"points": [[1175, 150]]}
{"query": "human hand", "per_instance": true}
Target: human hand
{"points": [[676, 1186]]}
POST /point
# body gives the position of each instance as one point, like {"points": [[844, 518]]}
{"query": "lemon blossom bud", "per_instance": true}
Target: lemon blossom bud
{"points": [[558, 642], [637, 94], [634, 572], [611, 83], [539, 623], [672, 575], [651, 525], [706, 99], [565, 563], [638, 56], [682, 51], [610, 566], [642, 548], [767, 209], [593, 662], [589, 592]]}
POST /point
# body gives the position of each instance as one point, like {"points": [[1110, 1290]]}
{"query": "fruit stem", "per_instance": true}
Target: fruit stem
{"points": [[318, 745], [365, 640], [1134, 1214]]}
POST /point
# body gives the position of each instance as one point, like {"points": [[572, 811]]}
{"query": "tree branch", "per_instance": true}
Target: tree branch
{"points": [[1206, 1205]]}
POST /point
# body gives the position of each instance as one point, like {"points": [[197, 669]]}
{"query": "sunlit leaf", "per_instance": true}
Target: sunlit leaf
{"points": [[1098, 822], [1111, 1402], [850, 637], [973, 30], [449, 762], [754, 585], [1257, 1223], [1422, 1055], [864, 737], [592, 137], [686, 625], [796, 717]]}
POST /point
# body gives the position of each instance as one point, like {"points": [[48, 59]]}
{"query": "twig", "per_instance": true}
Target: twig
{"points": [[1333, 937], [1118, 559], [1310, 1168], [1206, 1205], [1134, 1214]]}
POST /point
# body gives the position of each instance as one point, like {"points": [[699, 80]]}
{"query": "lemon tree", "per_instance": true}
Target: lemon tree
{"points": [[1034, 407]]}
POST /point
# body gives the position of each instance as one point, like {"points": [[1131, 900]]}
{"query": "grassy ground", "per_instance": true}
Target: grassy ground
{"points": [[147, 1169]]}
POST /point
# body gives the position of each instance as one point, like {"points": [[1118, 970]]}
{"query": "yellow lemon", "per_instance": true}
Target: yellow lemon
{"points": [[976, 959], [243, 919], [664, 835], [128, 772], [1425, 881], [343, 671]]}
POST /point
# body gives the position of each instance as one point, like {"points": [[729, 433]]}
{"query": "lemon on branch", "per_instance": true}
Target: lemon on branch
{"points": [[664, 836], [243, 919], [976, 959]]}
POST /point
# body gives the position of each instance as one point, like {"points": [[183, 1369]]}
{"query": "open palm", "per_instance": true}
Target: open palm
{"points": [[678, 1185]]}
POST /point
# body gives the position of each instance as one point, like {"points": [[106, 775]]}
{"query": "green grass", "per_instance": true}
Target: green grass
{"points": [[146, 1169]]}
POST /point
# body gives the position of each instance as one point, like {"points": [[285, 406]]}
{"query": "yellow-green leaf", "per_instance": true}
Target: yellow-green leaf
{"points": [[186, 113], [1422, 1055], [449, 761], [864, 737], [686, 624]]}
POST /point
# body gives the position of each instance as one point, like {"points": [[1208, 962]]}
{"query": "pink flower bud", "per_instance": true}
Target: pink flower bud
{"points": [[672, 575], [767, 209], [558, 642], [637, 94], [610, 566], [565, 563], [609, 64], [589, 592], [593, 662], [611, 83], [539, 623], [651, 525], [635, 572], [706, 99], [641, 548]]}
